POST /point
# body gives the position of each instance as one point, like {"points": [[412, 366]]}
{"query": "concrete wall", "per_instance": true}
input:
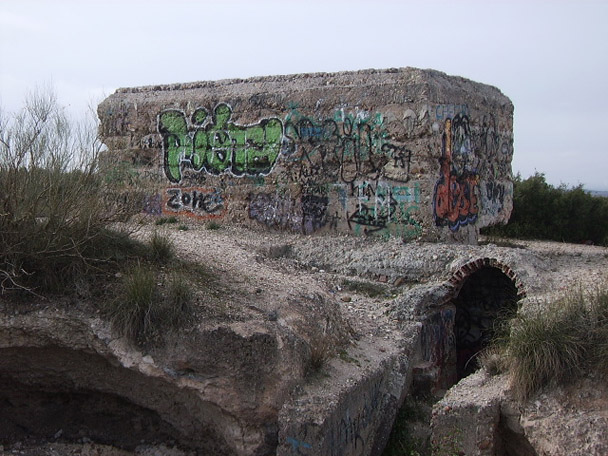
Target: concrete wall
{"points": [[404, 152]]}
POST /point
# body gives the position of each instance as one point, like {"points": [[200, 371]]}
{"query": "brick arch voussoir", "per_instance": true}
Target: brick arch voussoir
{"points": [[458, 278]]}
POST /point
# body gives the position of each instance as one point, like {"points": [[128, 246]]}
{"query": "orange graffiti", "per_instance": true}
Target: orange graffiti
{"points": [[455, 198]]}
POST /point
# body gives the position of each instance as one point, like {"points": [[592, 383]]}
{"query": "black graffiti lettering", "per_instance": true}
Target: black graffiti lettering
{"points": [[174, 199], [347, 149], [199, 202]]}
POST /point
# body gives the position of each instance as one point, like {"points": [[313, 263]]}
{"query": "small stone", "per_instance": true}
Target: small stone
{"points": [[399, 281], [148, 359], [346, 299]]}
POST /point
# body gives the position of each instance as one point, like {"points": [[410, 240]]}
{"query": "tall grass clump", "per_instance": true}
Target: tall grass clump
{"points": [[143, 312], [179, 300], [162, 249], [135, 309], [549, 346], [565, 339], [54, 206]]}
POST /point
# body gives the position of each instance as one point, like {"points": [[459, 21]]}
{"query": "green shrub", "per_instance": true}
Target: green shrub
{"points": [[541, 211], [55, 207]]}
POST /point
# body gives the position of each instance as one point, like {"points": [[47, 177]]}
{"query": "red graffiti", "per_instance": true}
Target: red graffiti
{"points": [[455, 200]]}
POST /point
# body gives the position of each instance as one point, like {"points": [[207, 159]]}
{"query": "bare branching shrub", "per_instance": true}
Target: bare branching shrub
{"points": [[322, 348], [54, 205]]}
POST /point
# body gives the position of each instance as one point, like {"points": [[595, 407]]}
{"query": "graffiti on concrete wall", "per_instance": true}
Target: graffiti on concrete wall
{"points": [[217, 145], [366, 207], [343, 148], [382, 206], [306, 214], [152, 204], [456, 192], [352, 430], [350, 435], [449, 111], [492, 197], [197, 202]]}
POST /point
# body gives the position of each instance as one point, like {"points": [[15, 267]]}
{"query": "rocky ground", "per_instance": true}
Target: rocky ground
{"points": [[263, 273]]}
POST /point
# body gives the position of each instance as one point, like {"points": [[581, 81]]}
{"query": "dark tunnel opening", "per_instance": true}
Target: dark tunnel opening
{"points": [[486, 298], [36, 412], [58, 394]]}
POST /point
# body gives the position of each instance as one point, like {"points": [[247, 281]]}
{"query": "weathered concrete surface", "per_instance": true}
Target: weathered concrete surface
{"points": [[350, 417], [404, 152], [235, 382], [479, 417]]}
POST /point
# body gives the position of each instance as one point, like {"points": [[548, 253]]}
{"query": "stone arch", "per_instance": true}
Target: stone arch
{"points": [[483, 291], [457, 279]]}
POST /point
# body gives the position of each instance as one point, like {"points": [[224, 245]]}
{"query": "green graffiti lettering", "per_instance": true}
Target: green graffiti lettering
{"points": [[177, 143], [219, 145]]}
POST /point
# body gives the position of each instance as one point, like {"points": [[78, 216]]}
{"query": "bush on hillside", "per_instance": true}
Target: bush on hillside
{"points": [[541, 211]]}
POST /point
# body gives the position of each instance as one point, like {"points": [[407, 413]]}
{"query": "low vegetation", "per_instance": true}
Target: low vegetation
{"points": [[58, 228], [150, 304], [541, 211], [370, 289], [556, 344], [166, 220], [410, 433], [161, 248]]}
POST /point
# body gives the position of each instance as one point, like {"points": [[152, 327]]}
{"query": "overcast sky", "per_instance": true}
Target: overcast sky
{"points": [[549, 57]]}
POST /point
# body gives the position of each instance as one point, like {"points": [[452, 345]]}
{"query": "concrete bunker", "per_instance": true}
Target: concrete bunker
{"points": [[408, 153]]}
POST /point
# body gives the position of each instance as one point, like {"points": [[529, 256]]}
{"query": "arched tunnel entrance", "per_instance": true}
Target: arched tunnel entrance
{"points": [[487, 297], [479, 295]]}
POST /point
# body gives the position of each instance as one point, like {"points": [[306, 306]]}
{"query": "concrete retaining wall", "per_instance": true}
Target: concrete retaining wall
{"points": [[404, 152]]}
